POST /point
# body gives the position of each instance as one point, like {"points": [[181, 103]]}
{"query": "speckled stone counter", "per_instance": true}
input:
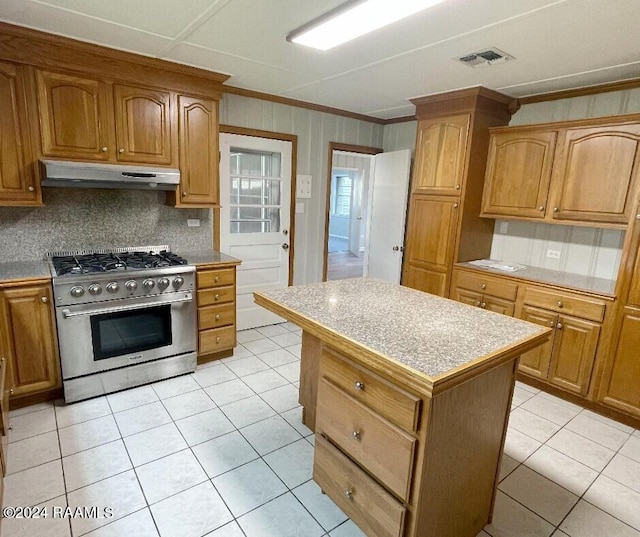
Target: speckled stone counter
{"points": [[207, 257], [429, 334], [554, 277], [24, 270]]}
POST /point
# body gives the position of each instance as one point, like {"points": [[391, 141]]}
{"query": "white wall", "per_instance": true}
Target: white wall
{"points": [[314, 131], [400, 136], [586, 251]]}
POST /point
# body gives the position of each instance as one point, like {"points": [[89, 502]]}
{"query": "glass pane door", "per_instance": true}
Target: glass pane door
{"points": [[255, 191]]}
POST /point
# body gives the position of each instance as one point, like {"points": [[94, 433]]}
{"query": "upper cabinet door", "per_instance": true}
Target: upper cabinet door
{"points": [[17, 185], [144, 125], [596, 171], [75, 117], [198, 135], [518, 174], [441, 150]]}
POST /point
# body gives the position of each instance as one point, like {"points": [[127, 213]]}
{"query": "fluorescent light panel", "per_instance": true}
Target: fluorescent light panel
{"points": [[354, 19]]}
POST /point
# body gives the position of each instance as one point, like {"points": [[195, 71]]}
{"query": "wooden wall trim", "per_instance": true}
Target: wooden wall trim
{"points": [[47, 51], [337, 146], [293, 138], [581, 92]]}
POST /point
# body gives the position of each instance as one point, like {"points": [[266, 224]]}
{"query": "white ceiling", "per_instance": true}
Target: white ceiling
{"points": [[558, 44]]}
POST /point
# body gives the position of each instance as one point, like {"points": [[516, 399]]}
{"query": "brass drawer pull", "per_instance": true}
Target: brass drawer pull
{"points": [[356, 435], [559, 326], [216, 279], [560, 304], [349, 494], [483, 286], [216, 297], [359, 386], [217, 316], [218, 339]]}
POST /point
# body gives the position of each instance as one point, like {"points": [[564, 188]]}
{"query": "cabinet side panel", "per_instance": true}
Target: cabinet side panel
{"points": [[463, 450]]}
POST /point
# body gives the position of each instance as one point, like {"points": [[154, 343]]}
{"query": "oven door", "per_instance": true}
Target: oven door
{"points": [[109, 335]]}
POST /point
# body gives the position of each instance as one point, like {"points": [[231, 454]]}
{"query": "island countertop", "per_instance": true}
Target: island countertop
{"points": [[430, 335]]}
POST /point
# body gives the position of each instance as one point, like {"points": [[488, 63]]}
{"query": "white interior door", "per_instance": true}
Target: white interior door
{"points": [[255, 194], [388, 206]]}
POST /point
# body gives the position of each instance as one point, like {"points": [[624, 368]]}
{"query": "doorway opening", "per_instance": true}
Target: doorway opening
{"points": [[348, 190]]}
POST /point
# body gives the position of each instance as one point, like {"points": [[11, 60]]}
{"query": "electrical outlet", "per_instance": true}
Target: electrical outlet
{"points": [[193, 222], [553, 254], [504, 227]]}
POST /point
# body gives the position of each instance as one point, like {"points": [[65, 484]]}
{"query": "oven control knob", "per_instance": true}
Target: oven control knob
{"points": [[131, 285], [148, 284], [163, 283], [177, 283], [76, 291], [95, 289], [113, 287]]}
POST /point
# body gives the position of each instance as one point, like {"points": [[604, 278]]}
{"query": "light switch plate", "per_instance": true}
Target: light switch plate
{"points": [[553, 254], [303, 186], [193, 222], [299, 208]]}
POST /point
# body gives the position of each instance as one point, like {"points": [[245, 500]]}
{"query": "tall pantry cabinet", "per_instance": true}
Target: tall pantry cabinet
{"points": [[443, 226]]}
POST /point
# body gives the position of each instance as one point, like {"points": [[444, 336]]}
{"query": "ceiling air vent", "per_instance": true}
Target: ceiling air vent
{"points": [[485, 58]]}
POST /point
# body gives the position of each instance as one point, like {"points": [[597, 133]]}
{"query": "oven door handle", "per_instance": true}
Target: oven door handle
{"points": [[67, 314]]}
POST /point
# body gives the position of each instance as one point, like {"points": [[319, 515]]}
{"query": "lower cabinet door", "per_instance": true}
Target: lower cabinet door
{"points": [[361, 498], [536, 362], [574, 351], [498, 305]]}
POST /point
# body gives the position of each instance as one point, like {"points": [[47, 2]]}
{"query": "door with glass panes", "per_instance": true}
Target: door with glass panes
{"points": [[255, 198]]}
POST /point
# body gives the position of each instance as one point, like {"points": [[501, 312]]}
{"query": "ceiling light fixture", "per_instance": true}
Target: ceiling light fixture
{"points": [[353, 19]]}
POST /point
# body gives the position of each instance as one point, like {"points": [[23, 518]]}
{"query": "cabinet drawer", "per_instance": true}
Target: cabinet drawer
{"points": [[371, 507], [490, 286], [217, 295], [215, 278], [216, 339], [366, 437], [564, 303], [216, 316], [398, 406]]}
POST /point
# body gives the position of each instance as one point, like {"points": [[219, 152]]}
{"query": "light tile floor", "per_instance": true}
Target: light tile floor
{"points": [[222, 452]]}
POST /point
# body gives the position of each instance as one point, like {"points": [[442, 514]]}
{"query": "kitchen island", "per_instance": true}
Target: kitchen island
{"points": [[409, 396]]}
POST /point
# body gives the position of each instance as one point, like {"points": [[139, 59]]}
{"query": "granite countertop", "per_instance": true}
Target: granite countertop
{"points": [[206, 257], [427, 333], [554, 277], [24, 270]]}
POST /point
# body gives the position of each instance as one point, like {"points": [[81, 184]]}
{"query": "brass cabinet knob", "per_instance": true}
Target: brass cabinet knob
{"points": [[560, 304], [121, 150], [349, 494], [483, 286], [483, 305], [638, 216], [44, 299], [552, 324], [359, 386], [455, 205], [216, 297], [457, 187], [541, 208], [104, 149], [218, 340], [217, 317], [355, 435], [478, 302], [184, 193], [11, 391], [216, 279], [555, 209], [559, 326], [31, 188]]}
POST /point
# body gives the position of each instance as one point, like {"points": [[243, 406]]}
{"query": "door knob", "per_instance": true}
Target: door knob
{"points": [[285, 231], [285, 246], [396, 248]]}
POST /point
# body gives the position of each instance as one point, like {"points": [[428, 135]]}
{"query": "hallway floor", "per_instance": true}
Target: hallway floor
{"points": [[222, 452]]}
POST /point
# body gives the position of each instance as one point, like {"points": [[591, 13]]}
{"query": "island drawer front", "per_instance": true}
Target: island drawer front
{"points": [[366, 437], [371, 507], [216, 316], [398, 406], [216, 339], [218, 295], [564, 303], [216, 278], [485, 284]]}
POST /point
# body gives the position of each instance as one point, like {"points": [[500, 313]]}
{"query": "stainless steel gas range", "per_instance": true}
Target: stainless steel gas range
{"points": [[125, 317]]}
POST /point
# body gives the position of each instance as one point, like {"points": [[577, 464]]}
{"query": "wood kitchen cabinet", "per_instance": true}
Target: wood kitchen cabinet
{"points": [[567, 360], [440, 155], [443, 223], [216, 295], [199, 153], [486, 292], [582, 173], [17, 181], [85, 118], [28, 339]]}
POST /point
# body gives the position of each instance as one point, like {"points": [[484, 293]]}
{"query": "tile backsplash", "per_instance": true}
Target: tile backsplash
{"points": [[95, 218], [582, 250]]}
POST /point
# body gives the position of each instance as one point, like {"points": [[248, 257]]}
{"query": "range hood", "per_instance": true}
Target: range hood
{"points": [[90, 175]]}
